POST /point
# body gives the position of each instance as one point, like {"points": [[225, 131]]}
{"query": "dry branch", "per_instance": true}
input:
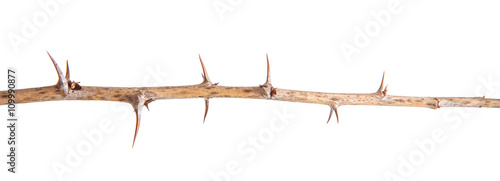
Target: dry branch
{"points": [[138, 97]]}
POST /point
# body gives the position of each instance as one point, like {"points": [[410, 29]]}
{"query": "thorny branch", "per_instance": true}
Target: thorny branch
{"points": [[138, 97]]}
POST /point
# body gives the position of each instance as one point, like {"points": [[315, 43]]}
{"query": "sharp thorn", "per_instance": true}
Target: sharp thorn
{"points": [[137, 110], [62, 82], [147, 103], [267, 86], [385, 90], [268, 79], [67, 70], [58, 70], [333, 109], [206, 110], [206, 79], [381, 88]]}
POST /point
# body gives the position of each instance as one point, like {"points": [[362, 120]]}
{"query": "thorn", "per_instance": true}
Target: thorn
{"points": [[206, 79], [333, 108], [206, 110], [267, 86], [137, 110], [67, 70], [147, 103], [268, 80], [62, 82], [381, 89]]}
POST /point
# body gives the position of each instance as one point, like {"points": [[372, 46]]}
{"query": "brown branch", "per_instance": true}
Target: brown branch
{"points": [[138, 97]]}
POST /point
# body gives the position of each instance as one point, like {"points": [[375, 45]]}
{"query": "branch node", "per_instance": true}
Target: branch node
{"points": [[75, 86], [437, 103]]}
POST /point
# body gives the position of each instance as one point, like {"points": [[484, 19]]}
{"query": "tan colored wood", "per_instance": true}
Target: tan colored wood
{"points": [[65, 89]]}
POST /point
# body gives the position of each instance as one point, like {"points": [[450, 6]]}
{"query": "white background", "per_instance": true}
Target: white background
{"points": [[427, 48]]}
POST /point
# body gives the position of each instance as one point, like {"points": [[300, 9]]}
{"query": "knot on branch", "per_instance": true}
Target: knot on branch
{"points": [[437, 103]]}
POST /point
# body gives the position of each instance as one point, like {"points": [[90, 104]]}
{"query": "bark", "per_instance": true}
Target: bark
{"points": [[138, 97]]}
